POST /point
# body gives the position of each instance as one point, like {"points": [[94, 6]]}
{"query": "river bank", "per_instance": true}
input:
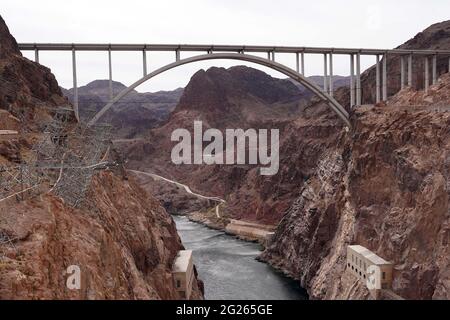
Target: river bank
{"points": [[244, 230], [228, 266]]}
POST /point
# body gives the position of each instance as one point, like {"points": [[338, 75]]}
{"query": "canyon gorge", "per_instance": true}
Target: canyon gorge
{"points": [[384, 183]]}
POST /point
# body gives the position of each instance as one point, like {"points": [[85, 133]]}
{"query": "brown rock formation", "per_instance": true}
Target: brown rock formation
{"points": [[125, 248], [238, 97], [385, 186], [124, 241]]}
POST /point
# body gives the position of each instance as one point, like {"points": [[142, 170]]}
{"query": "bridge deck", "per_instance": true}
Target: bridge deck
{"points": [[220, 48]]}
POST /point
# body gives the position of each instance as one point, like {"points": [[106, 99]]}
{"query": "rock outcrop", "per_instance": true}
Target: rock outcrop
{"points": [[384, 185], [124, 248], [123, 242]]}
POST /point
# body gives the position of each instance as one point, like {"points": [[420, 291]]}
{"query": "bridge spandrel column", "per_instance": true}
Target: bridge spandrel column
{"points": [[410, 58], [402, 72], [111, 93], [325, 73], [36, 55], [331, 75], [377, 80], [75, 86], [434, 69], [302, 63], [352, 80], [385, 93], [144, 62], [358, 79], [427, 74]]}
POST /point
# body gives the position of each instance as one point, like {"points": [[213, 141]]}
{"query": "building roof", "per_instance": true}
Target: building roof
{"points": [[181, 262], [366, 253], [7, 132]]}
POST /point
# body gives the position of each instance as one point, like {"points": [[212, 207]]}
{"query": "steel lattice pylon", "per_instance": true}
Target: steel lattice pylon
{"points": [[65, 158]]}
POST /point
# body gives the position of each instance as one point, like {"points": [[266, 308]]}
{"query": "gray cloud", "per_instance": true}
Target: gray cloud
{"points": [[371, 24]]}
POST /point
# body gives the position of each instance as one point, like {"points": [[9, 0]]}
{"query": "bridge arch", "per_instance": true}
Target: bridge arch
{"points": [[332, 103]]}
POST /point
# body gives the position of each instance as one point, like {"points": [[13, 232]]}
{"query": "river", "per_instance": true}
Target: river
{"points": [[228, 267]]}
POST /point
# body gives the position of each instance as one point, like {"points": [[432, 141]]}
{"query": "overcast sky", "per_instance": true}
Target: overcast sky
{"points": [[352, 23]]}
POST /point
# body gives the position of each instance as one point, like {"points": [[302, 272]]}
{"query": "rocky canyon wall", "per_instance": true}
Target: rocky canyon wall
{"points": [[384, 185], [123, 242]]}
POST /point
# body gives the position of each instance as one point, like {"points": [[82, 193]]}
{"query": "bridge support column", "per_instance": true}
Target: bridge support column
{"points": [[36, 55], [144, 62], [177, 55], [434, 69], [273, 56], [385, 93], [358, 79], [410, 70], [427, 74], [377, 81], [111, 93], [352, 80], [297, 62], [402, 72], [331, 74], [302, 63], [325, 73], [75, 87]]}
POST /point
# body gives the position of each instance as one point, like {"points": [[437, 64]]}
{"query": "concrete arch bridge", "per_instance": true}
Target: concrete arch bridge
{"points": [[246, 53]]}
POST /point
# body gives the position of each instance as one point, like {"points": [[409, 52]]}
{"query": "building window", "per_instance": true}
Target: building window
{"points": [[364, 276], [353, 268], [348, 264], [178, 283], [384, 275], [353, 258]]}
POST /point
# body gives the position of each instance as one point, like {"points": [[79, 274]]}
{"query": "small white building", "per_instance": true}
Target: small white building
{"points": [[183, 273], [370, 268], [8, 135]]}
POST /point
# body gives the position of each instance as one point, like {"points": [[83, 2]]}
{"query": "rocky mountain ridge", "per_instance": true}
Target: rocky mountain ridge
{"points": [[133, 115]]}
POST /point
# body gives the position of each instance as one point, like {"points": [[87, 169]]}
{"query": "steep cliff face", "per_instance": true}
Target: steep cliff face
{"points": [[384, 185], [124, 242], [25, 85], [124, 247]]}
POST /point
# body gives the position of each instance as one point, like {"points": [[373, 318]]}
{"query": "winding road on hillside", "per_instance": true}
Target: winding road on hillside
{"points": [[183, 186]]}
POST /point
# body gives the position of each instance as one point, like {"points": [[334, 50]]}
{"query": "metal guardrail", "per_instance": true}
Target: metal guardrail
{"points": [[221, 48]]}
